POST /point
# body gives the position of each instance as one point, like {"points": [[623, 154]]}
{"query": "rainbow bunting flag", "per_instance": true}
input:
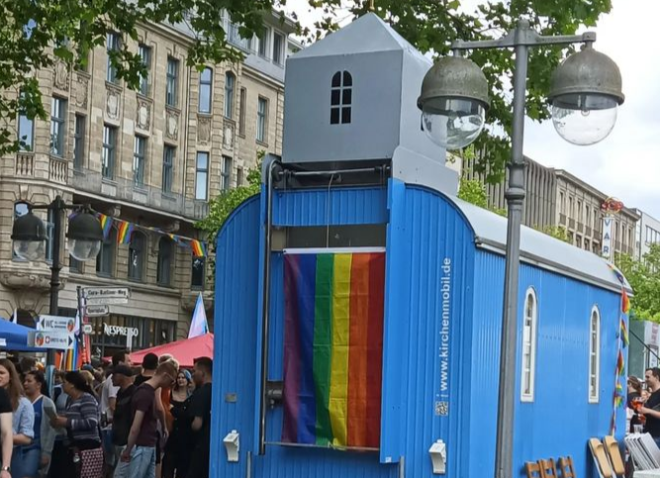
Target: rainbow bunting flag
{"points": [[125, 232], [198, 248], [624, 333], [625, 302], [333, 347], [620, 364], [617, 272], [106, 225]]}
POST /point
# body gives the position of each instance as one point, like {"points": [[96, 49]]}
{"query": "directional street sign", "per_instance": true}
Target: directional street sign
{"points": [[56, 324], [106, 295], [45, 339], [97, 311]]}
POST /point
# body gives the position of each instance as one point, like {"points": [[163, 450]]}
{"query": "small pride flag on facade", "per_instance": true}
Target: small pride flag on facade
{"points": [[125, 232], [333, 348], [106, 225], [198, 248]]}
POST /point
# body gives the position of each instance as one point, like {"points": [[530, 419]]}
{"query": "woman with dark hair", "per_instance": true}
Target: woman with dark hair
{"points": [[177, 449], [634, 399], [41, 449], [23, 419], [81, 422]]}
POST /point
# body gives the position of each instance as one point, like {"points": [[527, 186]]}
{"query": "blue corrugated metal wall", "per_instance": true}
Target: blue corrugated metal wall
{"points": [[564, 310], [235, 327], [422, 354]]}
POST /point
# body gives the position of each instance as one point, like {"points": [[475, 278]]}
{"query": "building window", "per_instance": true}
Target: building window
{"points": [[587, 246], [202, 176], [172, 87], [241, 111], [145, 56], [278, 48], [57, 126], [168, 168], [239, 176], [165, 256], [106, 259], [594, 355], [529, 347], [562, 202], [262, 120], [205, 90], [587, 218], [230, 80], [109, 152], [571, 213], [25, 132], [263, 43], [139, 148], [341, 98], [136, 256], [75, 265], [198, 273], [226, 172], [113, 44], [579, 206], [20, 209], [79, 142]]}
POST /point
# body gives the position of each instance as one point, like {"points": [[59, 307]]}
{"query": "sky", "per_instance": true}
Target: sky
{"points": [[626, 164]]}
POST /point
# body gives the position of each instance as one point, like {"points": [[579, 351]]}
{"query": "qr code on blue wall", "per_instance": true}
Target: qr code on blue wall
{"points": [[442, 409]]}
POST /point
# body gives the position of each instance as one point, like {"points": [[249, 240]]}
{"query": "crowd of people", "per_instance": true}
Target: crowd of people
{"points": [[114, 421]]}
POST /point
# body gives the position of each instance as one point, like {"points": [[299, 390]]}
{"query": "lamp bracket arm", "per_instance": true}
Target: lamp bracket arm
{"points": [[525, 37]]}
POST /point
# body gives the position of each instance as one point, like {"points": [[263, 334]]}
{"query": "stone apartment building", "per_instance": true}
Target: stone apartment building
{"points": [[152, 157], [557, 198]]}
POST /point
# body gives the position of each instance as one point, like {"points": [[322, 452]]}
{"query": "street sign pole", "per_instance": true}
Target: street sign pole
{"points": [[82, 320]]}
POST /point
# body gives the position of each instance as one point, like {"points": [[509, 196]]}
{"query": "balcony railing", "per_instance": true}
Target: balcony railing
{"points": [[580, 227], [25, 164], [126, 190]]}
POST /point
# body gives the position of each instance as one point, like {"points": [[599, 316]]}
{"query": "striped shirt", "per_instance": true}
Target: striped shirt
{"points": [[83, 415]]}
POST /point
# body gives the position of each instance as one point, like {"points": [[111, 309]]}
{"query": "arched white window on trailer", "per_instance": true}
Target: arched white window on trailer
{"points": [[528, 368], [594, 355]]}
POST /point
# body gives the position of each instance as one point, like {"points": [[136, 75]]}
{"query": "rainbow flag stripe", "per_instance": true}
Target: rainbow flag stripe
{"points": [[125, 232], [198, 248], [333, 347], [625, 302], [106, 224]]}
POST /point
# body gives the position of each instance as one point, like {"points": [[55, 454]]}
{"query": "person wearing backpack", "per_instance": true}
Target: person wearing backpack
{"points": [[122, 377]]}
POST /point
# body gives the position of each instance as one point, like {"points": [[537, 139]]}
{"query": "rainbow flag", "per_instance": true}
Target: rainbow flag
{"points": [[125, 232], [333, 347], [620, 364], [106, 225], [198, 248], [625, 302], [624, 333]]}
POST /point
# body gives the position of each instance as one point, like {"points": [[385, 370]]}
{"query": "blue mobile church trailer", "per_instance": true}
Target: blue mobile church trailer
{"points": [[357, 173]]}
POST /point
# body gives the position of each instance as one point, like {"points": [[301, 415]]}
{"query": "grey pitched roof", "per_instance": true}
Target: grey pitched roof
{"points": [[539, 249], [367, 34]]}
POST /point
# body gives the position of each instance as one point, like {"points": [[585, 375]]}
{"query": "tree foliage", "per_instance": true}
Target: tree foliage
{"points": [[558, 232], [35, 34], [644, 278], [434, 25]]}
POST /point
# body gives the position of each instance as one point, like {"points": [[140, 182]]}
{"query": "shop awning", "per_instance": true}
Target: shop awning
{"points": [[184, 351], [15, 337]]}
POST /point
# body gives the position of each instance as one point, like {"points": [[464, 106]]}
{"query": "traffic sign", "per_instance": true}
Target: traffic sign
{"points": [[106, 295], [87, 329], [45, 339], [97, 310], [56, 323]]}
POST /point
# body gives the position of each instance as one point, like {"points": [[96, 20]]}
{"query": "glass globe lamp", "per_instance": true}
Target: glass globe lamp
{"points": [[85, 235]]}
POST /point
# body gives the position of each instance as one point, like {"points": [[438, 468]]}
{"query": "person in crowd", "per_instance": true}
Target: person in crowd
{"points": [[89, 378], [149, 366], [122, 377], [59, 457], [6, 434], [81, 422], [634, 395], [138, 459], [27, 364], [40, 451], [651, 408], [23, 416], [200, 410], [177, 449], [107, 404]]}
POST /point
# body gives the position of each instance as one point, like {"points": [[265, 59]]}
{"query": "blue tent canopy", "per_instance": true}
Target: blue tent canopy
{"points": [[16, 336]]}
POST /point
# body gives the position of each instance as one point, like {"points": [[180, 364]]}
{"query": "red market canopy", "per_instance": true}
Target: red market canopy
{"points": [[184, 351]]}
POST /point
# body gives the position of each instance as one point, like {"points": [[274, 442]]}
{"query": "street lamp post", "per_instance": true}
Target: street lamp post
{"points": [[585, 94], [29, 235]]}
